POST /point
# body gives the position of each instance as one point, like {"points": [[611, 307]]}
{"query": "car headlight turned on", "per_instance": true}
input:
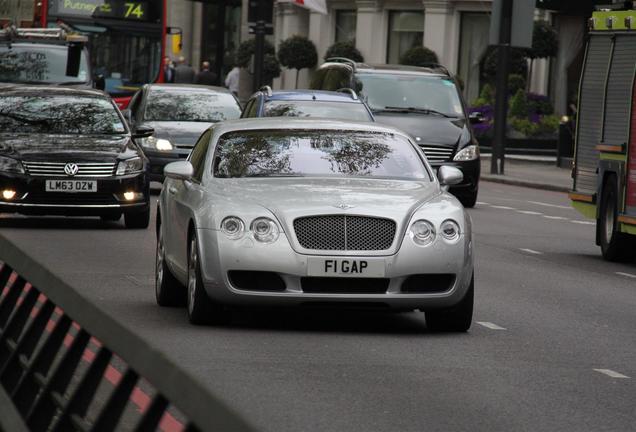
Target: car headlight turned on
{"points": [[450, 230], [265, 230], [422, 232], [11, 165], [157, 143], [130, 166], [233, 227], [467, 154]]}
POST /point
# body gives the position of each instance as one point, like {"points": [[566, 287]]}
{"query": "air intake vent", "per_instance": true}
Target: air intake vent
{"points": [[345, 233]]}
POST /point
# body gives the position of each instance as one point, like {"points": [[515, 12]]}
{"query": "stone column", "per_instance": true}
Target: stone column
{"points": [[371, 31], [439, 31]]}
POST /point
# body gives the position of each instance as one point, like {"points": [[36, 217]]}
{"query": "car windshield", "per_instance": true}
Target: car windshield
{"points": [[191, 105], [59, 115], [419, 92], [339, 110], [318, 153], [39, 64]]}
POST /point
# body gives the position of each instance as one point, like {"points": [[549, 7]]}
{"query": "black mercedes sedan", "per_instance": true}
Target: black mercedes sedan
{"points": [[69, 152], [179, 114]]}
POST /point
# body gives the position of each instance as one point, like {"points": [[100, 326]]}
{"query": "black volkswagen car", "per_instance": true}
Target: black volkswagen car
{"points": [[66, 151]]}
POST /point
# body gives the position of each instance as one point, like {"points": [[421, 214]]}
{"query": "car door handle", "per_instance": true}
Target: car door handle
{"points": [[172, 190]]}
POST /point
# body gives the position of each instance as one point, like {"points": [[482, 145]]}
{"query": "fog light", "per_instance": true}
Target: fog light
{"points": [[129, 196], [8, 194]]}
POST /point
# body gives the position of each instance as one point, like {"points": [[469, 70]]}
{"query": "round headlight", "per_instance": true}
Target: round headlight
{"points": [[450, 230], [265, 230], [422, 232], [233, 227]]}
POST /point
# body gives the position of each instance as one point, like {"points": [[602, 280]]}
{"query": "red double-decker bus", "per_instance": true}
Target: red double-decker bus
{"points": [[126, 37]]}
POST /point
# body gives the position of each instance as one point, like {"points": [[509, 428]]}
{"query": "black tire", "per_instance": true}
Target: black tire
{"points": [[614, 244], [111, 217], [457, 318], [168, 290], [468, 200], [201, 310], [139, 220]]}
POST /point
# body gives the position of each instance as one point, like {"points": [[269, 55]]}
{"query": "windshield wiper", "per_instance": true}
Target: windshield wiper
{"points": [[417, 110]]}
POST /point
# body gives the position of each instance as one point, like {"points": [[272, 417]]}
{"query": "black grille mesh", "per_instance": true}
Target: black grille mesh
{"points": [[346, 233]]}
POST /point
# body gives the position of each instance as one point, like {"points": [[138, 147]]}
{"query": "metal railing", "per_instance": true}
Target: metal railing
{"points": [[46, 382]]}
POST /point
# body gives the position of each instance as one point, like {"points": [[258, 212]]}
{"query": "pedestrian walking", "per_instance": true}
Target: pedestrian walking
{"points": [[206, 76], [184, 73], [168, 70], [232, 80]]}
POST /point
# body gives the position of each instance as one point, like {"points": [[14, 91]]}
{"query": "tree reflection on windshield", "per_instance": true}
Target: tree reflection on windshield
{"points": [[58, 115], [316, 153], [191, 106], [31, 64]]}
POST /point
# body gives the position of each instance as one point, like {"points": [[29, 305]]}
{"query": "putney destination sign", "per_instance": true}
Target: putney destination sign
{"points": [[117, 9]]}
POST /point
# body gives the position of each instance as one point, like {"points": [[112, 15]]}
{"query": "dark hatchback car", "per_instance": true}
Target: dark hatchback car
{"points": [[342, 105], [179, 114], [69, 152], [424, 102]]}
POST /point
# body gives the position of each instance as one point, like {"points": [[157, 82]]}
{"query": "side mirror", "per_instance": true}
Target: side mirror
{"points": [[475, 117], [449, 175], [99, 82], [143, 132], [180, 170]]}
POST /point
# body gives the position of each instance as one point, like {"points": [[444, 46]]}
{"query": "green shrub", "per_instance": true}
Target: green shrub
{"points": [[545, 41], [344, 49], [297, 52], [418, 56], [246, 50], [518, 63], [271, 68], [516, 82], [524, 126], [519, 105], [548, 124]]}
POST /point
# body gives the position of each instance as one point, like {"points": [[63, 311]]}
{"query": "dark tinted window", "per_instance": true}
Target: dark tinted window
{"points": [[339, 110], [289, 153], [197, 156], [190, 105], [32, 63], [59, 115]]}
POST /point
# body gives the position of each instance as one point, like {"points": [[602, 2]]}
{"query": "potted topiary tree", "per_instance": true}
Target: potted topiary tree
{"points": [[344, 49], [545, 44], [419, 56], [297, 52]]}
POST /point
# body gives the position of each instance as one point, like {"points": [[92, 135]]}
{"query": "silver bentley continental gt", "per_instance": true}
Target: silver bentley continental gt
{"points": [[312, 212]]}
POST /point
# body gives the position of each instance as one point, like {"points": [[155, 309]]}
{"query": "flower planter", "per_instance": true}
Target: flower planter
{"points": [[523, 146]]}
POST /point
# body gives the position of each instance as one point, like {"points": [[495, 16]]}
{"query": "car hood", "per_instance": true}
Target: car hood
{"points": [[182, 134], [59, 147], [289, 198], [429, 128]]}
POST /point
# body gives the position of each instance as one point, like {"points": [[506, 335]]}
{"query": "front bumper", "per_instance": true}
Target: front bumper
{"points": [[220, 255], [32, 199], [159, 159]]}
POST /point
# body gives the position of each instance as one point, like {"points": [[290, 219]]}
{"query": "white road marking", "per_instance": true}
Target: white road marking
{"points": [[611, 373], [482, 203], [554, 217], [531, 251], [551, 205], [629, 275], [529, 212], [581, 222], [503, 207], [490, 325]]}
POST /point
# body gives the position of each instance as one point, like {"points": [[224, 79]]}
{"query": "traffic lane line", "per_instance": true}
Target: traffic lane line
{"points": [[489, 325], [612, 374], [530, 251], [629, 275], [530, 212], [138, 397], [551, 205]]}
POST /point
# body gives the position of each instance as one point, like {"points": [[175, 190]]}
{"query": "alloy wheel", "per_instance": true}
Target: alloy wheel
{"points": [[192, 274]]}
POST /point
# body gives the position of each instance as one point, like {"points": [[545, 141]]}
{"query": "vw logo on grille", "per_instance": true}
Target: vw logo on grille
{"points": [[70, 169], [344, 206]]}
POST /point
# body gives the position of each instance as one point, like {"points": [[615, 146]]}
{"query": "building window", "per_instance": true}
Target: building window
{"points": [[406, 30], [346, 25], [473, 43]]}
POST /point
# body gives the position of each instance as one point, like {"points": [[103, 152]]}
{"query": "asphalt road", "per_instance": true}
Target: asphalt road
{"points": [[553, 345]]}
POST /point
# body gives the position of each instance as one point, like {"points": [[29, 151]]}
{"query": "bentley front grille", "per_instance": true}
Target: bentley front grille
{"points": [[56, 169], [345, 233], [437, 153]]}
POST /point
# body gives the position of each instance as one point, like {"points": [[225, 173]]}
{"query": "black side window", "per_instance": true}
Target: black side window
{"points": [[197, 156]]}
